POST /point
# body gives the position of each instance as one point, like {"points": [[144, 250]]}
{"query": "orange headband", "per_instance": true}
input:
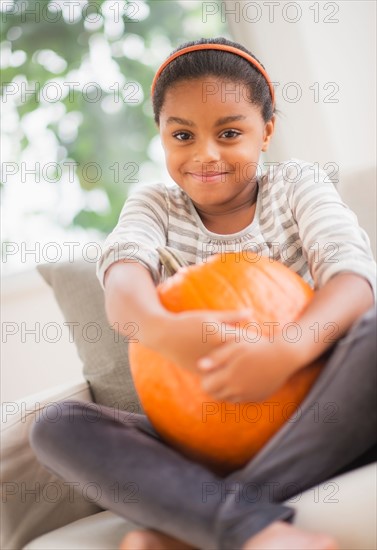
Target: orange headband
{"points": [[222, 47]]}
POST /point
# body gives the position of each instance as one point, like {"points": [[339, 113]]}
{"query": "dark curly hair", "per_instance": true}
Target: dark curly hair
{"points": [[222, 64]]}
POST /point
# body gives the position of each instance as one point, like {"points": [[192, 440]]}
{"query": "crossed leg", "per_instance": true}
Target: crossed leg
{"points": [[88, 444]]}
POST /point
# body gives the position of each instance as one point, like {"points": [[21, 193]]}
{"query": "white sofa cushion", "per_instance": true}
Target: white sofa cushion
{"points": [[344, 507], [97, 532]]}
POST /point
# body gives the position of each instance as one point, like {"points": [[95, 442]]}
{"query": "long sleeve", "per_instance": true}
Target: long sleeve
{"points": [[332, 240], [141, 228]]}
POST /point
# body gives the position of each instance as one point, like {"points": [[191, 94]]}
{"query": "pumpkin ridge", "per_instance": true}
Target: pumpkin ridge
{"points": [[298, 285], [255, 301], [192, 289], [226, 284]]}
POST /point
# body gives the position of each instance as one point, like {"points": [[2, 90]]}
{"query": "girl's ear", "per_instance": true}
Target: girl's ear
{"points": [[268, 133]]}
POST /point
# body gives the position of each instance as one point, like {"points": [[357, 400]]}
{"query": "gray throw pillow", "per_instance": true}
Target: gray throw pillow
{"points": [[103, 351]]}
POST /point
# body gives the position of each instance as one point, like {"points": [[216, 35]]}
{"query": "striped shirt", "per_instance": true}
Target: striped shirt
{"points": [[300, 220]]}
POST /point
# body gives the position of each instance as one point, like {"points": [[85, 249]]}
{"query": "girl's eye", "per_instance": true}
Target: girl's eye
{"points": [[184, 136], [233, 133]]}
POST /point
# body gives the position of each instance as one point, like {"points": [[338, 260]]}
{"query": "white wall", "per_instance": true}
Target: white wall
{"points": [[306, 52]]}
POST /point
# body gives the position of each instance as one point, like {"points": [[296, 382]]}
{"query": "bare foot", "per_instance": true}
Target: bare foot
{"points": [[281, 535], [149, 539]]}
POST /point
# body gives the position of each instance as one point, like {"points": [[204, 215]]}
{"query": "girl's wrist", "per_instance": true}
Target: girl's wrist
{"points": [[156, 328], [292, 354], [300, 351]]}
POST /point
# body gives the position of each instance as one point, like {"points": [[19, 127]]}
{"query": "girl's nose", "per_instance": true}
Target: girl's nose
{"points": [[206, 151]]}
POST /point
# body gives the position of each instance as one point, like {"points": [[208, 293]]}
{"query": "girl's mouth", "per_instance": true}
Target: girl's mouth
{"points": [[209, 177]]}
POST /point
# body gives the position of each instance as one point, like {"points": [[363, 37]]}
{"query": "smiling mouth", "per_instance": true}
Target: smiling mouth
{"points": [[208, 176]]}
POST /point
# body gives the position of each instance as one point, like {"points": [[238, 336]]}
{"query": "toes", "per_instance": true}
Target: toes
{"points": [[135, 540], [151, 540], [328, 543]]}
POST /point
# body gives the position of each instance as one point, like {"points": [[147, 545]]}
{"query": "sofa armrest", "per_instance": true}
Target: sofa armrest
{"points": [[34, 501], [13, 412]]}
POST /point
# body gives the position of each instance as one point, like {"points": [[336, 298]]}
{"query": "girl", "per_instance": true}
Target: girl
{"points": [[214, 107]]}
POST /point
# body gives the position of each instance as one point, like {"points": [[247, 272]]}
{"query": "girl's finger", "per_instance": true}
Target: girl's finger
{"points": [[233, 316], [213, 383], [217, 357], [217, 385]]}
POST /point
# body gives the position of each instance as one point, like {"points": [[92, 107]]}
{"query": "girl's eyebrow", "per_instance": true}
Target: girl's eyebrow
{"points": [[219, 122]]}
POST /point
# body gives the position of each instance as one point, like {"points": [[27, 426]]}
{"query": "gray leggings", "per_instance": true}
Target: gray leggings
{"points": [[144, 480]]}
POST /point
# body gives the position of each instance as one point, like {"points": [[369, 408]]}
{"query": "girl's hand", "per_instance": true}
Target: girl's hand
{"points": [[244, 371], [184, 338]]}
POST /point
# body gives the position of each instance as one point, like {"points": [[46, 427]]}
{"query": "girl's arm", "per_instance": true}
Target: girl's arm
{"points": [[334, 308], [131, 297], [244, 371]]}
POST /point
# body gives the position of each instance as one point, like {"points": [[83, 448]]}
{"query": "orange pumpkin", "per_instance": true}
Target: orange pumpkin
{"points": [[223, 436]]}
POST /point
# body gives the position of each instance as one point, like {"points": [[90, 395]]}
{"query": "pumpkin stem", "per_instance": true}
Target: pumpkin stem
{"points": [[171, 259]]}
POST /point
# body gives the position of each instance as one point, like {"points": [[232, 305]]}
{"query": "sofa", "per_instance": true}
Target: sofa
{"points": [[41, 512]]}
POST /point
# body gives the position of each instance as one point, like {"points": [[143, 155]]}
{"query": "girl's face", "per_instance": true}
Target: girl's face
{"points": [[212, 138]]}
